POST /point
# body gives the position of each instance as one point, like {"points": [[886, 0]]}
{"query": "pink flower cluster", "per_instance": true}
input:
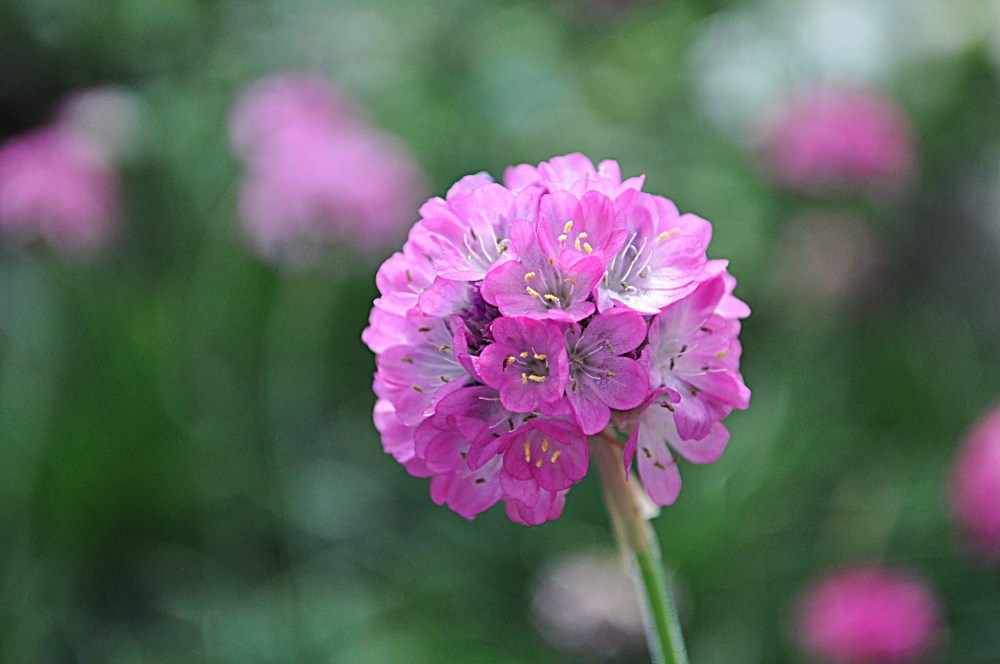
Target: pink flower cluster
{"points": [[869, 615], [519, 317], [57, 183], [316, 171], [976, 486], [830, 139]]}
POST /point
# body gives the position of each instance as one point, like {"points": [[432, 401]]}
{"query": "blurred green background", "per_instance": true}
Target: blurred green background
{"points": [[188, 468]]}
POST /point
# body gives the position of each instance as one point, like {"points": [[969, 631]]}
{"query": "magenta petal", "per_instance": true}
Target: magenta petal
{"points": [[525, 491], [591, 413], [397, 439], [518, 177], [444, 297], [439, 487], [624, 385], [554, 454], [659, 474], [506, 278], [622, 328], [443, 452], [549, 506], [472, 492], [706, 450]]}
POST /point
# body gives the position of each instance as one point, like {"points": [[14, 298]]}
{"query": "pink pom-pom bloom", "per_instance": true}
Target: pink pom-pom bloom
{"points": [[826, 139], [869, 616], [518, 319], [56, 183], [976, 485], [316, 171]]}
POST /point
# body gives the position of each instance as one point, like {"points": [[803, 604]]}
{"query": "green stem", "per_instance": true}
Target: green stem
{"points": [[625, 499]]}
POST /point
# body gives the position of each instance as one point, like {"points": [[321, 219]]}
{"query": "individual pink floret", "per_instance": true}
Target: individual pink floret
{"points": [[976, 485], [599, 378], [57, 184], [662, 259], [869, 616], [693, 364], [527, 363], [421, 371], [827, 139], [473, 229], [540, 285], [465, 490]]}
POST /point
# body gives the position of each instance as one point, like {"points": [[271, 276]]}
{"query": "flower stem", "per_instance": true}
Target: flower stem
{"points": [[626, 502]]}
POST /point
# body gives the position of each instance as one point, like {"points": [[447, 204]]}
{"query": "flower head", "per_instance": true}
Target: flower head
{"points": [[869, 615], [825, 140], [56, 183], [508, 330], [316, 171]]}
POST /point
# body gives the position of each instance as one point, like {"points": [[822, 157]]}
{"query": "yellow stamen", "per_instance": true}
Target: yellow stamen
{"points": [[536, 379], [506, 361], [589, 249], [571, 282], [555, 455], [445, 380], [538, 464], [665, 234], [524, 379], [545, 444], [577, 244], [443, 347], [551, 298], [524, 354], [583, 236], [530, 275], [532, 292], [722, 354], [552, 261], [539, 357], [567, 227], [562, 238], [527, 451]]}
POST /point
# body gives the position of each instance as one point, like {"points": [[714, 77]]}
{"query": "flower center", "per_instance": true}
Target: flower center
{"points": [[586, 362], [550, 286], [533, 367], [580, 238], [628, 265]]}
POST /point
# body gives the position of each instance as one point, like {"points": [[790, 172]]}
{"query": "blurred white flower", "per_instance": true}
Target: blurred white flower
{"points": [[747, 56], [112, 116], [586, 603]]}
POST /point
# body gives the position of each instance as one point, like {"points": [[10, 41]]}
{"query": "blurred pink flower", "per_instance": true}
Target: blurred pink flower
{"points": [[869, 616], [56, 183], [977, 484], [822, 140], [316, 171]]}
